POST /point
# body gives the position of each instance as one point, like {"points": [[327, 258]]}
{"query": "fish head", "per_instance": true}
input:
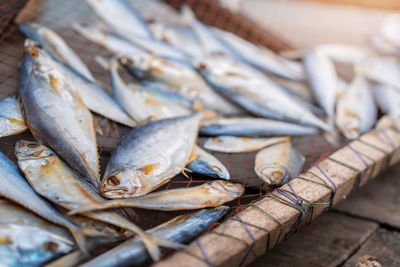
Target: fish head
{"points": [[32, 151], [36, 59], [351, 129], [138, 65], [230, 190], [122, 182], [274, 175]]}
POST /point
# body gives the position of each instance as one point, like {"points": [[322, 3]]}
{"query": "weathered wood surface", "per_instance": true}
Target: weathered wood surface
{"points": [[383, 245], [328, 241], [379, 201], [229, 243]]}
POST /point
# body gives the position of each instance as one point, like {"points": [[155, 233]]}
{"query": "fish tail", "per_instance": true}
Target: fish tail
{"points": [[94, 206], [79, 238], [153, 243]]}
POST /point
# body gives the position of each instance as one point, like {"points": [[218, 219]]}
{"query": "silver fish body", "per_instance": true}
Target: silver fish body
{"points": [[323, 80], [56, 47], [344, 53], [121, 17], [11, 118], [14, 187], [177, 36], [150, 100], [92, 95], [56, 113], [180, 229], [254, 92], [28, 240], [211, 194], [356, 109], [277, 164], [150, 156], [206, 164], [388, 100], [234, 144], [263, 59], [113, 43], [253, 127], [182, 78], [382, 70]]}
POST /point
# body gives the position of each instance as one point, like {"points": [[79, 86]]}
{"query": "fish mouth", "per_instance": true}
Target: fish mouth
{"points": [[274, 175], [122, 192]]}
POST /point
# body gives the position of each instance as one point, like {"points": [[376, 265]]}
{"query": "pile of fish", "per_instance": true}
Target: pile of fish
{"points": [[188, 79]]}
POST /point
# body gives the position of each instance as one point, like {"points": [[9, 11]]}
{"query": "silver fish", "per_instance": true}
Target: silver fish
{"points": [[15, 188], [253, 127], [383, 70], [54, 180], [144, 101], [56, 47], [11, 118], [128, 46], [388, 100], [56, 113], [150, 156], [159, 11], [382, 46], [264, 59], [344, 53], [211, 194], [254, 92], [121, 17], [181, 229], [323, 80], [210, 41], [277, 164], [233, 144], [177, 36], [356, 109], [28, 240], [202, 162], [92, 95], [113, 43], [182, 78]]}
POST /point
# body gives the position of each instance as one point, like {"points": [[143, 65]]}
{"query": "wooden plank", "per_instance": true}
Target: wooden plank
{"points": [[229, 243], [383, 245], [382, 4], [328, 241], [305, 24], [378, 201]]}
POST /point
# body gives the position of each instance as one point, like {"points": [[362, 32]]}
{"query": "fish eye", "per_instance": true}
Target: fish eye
{"points": [[202, 66], [129, 62], [113, 180], [277, 174], [33, 53], [31, 145], [50, 246]]}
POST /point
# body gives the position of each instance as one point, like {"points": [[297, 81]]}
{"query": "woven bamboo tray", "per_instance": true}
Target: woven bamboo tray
{"points": [[256, 222]]}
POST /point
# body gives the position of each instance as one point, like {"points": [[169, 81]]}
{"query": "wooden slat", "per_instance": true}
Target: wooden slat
{"points": [[383, 245], [328, 241], [379, 201], [228, 244]]}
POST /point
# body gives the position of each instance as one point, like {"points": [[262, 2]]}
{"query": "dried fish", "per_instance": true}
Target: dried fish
{"points": [[233, 144], [277, 164]]}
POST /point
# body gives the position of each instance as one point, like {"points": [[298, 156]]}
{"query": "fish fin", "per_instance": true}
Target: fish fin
{"points": [[153, 243], [192, 157], [149, 168], [334, 137], [69, 260], [97, 127], [79, 239], [94, 206], [184, 170], [145, 121], [187, 13], [102, 62], [198, 106]]}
